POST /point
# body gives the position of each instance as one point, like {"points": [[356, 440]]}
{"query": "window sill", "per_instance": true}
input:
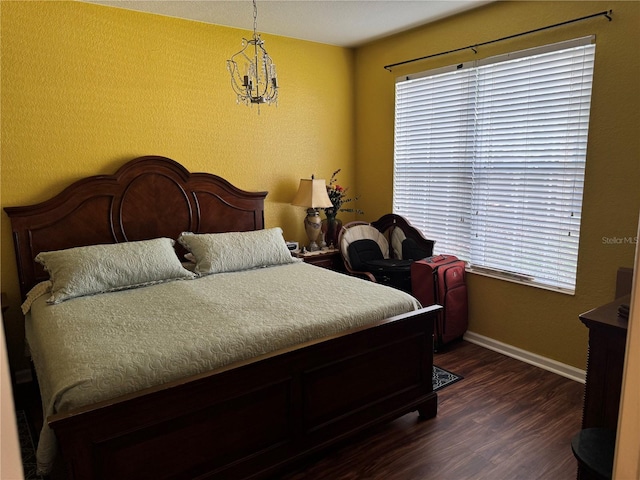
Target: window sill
{"points": [[516, 278]]}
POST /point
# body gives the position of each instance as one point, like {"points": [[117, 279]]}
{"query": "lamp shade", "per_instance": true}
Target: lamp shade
{"points": [[312, 193]]}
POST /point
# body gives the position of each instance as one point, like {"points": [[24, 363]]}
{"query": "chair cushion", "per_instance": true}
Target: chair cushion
{"points": [[353, 233], [412, 251], [363, 251]]}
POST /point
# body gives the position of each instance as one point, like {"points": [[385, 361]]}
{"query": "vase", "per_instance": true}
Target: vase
{"points": [[331, 227]]}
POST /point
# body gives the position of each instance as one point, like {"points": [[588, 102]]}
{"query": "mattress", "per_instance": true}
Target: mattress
{"points": [[99, 347]]}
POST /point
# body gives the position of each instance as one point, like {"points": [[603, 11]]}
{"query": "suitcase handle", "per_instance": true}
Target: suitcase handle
{"points": [[437, 258]]}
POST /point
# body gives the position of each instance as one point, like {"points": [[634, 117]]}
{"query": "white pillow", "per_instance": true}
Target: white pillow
{"points": [[234, 251], [80, 271]]}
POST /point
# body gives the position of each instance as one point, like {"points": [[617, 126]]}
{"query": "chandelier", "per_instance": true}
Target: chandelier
{"points": [[253, 74]]}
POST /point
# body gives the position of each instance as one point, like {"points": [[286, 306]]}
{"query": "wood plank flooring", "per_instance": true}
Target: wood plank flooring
{"points": [[504, 420]]}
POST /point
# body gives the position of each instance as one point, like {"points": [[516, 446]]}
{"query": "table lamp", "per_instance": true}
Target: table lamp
{"points": [[312, 194]]}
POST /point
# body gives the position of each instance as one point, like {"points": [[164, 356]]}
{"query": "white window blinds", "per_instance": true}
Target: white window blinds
{"points": [[489, 160]]}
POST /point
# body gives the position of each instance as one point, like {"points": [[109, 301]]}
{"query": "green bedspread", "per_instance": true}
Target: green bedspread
{"points": [[98, 347]]}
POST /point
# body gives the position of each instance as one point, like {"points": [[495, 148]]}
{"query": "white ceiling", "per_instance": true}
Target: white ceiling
{"points": [[344, 23]]}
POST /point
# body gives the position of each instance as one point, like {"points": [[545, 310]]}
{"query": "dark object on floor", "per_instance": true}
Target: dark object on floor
{"points": [[443, 378], [593, 448], [441, 280]]}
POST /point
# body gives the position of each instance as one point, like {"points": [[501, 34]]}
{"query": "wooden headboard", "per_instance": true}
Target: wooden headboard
{"points": [[148, 197]]}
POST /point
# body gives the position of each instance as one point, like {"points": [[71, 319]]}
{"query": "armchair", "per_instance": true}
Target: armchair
{"points": [[382, 251]]}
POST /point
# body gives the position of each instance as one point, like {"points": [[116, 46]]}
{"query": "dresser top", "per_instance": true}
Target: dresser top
{"points": [[607, 315]]}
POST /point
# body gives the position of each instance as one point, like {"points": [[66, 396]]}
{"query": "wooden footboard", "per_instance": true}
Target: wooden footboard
{"points": [[252, 419]]}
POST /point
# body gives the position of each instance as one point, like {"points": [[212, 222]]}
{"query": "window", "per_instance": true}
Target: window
{"points": [[489, 160]]}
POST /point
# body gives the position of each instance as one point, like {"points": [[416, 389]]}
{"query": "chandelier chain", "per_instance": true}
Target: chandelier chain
{"points": [[255, 19]]}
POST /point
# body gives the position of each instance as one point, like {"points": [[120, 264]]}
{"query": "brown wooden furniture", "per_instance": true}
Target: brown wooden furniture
{"points": [[594, 445], [607, 343], [330, 259], [249, 419], [594, 449]]}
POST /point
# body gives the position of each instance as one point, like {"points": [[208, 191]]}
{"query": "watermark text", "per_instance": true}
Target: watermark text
{"points": [[619, 240]]}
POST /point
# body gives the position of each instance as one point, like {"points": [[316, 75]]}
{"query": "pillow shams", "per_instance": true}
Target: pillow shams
{"points": [[80, 271], [234, 251]]}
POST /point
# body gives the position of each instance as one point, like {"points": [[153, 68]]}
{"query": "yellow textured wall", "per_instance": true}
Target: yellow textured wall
{"points": [[86, 88], [536, 320]]}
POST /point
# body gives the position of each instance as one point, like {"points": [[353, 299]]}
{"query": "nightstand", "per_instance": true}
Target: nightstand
{"points": [[330, 259]]}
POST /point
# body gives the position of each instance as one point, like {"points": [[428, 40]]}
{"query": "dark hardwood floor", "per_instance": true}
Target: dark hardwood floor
{"points": [[504, 420]]}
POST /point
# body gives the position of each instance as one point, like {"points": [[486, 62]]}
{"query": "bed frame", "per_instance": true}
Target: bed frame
{"points": [[251, 419]]}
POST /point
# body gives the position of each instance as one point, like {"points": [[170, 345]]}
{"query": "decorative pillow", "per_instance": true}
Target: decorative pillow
{"points": [[80, 271], [234, 251]]}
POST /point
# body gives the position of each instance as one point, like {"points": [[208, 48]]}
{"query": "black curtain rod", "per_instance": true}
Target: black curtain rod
{"points": [[473, 47]]}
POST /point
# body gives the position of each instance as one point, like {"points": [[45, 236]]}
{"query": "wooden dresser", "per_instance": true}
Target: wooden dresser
{"points": [[607, 343]]}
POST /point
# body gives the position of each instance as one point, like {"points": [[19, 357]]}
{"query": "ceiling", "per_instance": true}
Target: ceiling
{"points": [[344, 23]]}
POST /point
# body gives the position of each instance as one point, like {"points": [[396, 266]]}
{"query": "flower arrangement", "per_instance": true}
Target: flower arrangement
{"points": [[338, 196]]}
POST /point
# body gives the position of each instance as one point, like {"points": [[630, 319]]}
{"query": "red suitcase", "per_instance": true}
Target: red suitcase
{"points": [[441, 279]]}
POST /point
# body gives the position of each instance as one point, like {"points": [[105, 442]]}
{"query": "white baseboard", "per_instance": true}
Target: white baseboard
{"points": [[554, 366]]}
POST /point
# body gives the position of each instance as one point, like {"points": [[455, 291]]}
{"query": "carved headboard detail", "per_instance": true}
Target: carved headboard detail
{"points": [[148, 197]]}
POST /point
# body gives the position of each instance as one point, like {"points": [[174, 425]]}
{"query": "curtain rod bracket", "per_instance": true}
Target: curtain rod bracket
{"points": [[606, 14]]}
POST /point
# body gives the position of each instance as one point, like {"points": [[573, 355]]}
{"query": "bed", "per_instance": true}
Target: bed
{"points": [[252, 414]]}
